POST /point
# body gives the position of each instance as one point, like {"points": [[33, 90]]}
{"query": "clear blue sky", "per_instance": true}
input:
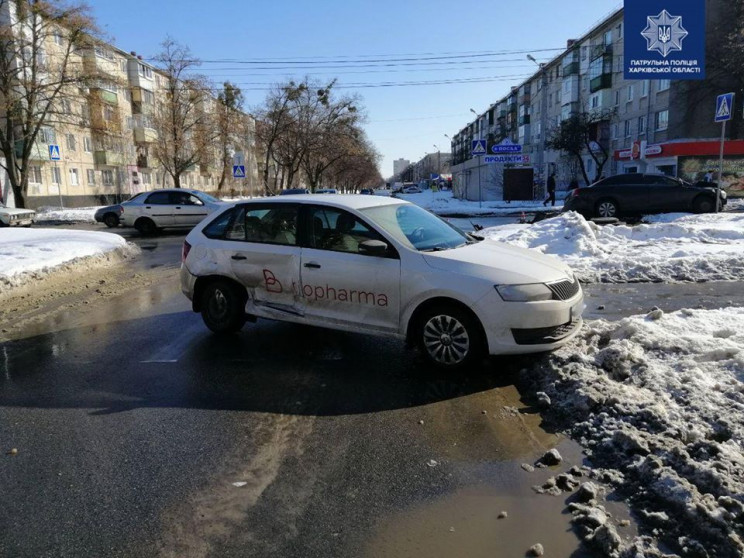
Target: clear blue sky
{"points": [[403, 121]]}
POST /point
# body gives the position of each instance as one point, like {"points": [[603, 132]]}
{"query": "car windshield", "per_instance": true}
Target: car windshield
{"points": [[417, 228]]}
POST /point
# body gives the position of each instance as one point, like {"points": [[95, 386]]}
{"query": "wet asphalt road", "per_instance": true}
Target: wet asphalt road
{"points": [[141, 434]]}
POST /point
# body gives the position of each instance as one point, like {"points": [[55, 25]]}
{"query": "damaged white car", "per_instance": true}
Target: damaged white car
{"points": [[14, 217], [380, 266]]}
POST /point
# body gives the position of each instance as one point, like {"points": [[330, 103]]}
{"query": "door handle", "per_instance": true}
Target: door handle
{"points": [[177, 207], [312, 265], [238, 257], [148, 207]]}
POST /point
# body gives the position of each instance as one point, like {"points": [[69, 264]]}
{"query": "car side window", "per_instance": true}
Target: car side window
{"points": [[661, 181], [220, 227], [159, 198], [275, 224], [339, 231]]}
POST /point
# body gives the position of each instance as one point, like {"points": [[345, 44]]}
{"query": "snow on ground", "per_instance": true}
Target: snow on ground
{"points": [[657, 402], [28, 254], [672, 247], [66, 215], [442, 203]]}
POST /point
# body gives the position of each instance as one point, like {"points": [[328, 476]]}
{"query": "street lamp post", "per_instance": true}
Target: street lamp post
{"points": [[480, 190]]}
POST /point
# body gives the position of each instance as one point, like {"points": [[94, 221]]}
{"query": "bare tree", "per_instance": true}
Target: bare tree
{"points": [[40, 64], [232, 127], [184, 117], [583, 133]]}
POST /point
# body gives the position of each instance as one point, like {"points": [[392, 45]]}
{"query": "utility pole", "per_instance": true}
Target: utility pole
{"points": [[480, 187]]}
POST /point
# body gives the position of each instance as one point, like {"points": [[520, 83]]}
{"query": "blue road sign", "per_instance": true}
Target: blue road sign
{"points": [[238, 171], [510, 148], [479, 147], [724, 107], [54, 152]]}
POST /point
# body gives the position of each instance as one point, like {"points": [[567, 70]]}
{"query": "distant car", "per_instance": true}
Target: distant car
{"points": [[15, 217], [168, 208], [367, 191], [293, 191], [411, 190], [637, 194], [377, 265], [110, 214], [326, 191]]}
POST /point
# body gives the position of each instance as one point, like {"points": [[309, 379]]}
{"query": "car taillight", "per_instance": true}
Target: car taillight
{"points": [[575, 192], [185, 251], [121, 210]]}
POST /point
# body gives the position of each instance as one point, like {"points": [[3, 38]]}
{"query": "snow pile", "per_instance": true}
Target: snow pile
{"points": [[443, 203], [28, 254], [657, 402], [60, 214], [674, 247]]}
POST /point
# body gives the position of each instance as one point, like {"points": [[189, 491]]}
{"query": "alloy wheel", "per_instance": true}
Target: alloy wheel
{"points": [[446, 340]]}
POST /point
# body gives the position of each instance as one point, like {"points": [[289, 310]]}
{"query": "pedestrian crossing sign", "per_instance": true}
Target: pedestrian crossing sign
{"points": [[54, 152], [238, 171], [479, 147], [724, 106]]}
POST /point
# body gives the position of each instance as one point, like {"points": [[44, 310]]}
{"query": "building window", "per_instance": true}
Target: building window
{"points": [[664, 84], [108, 113], [662, 120], [56, 176], [644, 88], [74, 179], [617, 97], [34, 174], [613, 133], [71, 142], [630, 93], [87, 144], [146, 178], [642, 125], [107, 177], [91, 176], [103, 52], [66, 106], [58, 40], [145, 71], [148, 97], [47, 135], [627, 128], [608, 37]]}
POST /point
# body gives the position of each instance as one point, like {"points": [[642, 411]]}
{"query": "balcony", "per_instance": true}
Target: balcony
{"points": [[524, 98], [601, 50], [39, 151], [571, 69], [108, 158], [525, 119], [602, 81]]}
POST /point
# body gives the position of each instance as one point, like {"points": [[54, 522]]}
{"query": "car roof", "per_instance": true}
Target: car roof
{"points": [[347, 201]]}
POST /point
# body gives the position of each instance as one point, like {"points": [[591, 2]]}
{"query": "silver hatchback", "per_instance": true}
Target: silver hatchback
{"points": [[168, 208]]}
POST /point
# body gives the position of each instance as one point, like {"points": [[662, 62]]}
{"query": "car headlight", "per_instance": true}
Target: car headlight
{"points": [[524, 293]]}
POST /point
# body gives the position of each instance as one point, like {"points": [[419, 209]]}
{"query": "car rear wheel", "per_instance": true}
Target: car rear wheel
{"points": [[223, 307], [449, 337], [111, 220], [704, 204], [146, 227], [606, 208]]}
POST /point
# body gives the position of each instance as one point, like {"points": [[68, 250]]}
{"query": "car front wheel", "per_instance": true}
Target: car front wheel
{"points": [[449, 338], [606, 208], [223, 307], [704, 204]]}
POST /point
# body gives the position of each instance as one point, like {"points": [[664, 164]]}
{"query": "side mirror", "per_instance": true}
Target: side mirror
{"points": [[373, 248]]}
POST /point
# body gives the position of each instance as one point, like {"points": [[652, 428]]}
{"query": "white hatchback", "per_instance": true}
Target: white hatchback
{"points": [[381, 266], [168, 208]]}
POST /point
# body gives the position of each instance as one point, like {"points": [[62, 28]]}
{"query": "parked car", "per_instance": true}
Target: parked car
{"points": [[15, 217], [293, 191], [110, 214], [411, 190], [378, 265], [635, 194], [367, 191], [326, 191], [168, 208]]}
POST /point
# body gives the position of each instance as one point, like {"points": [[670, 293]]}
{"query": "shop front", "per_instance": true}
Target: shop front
{"points": [[694, 161]]}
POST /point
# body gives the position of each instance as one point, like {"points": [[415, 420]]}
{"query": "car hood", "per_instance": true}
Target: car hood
{"points": [[16, 211], [502, 263]]}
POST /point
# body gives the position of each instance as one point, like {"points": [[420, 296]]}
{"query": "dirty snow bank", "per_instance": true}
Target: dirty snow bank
{"points": [[443, 203], [657, 402], [674, 247], [66, 215], [29, 254]]}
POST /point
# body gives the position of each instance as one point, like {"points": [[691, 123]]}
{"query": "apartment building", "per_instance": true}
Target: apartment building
{"points": [[104, 133], [643, 125]]}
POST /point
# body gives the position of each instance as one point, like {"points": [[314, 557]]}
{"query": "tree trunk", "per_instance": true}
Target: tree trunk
{"points": [[177, 180], [223, 177]]}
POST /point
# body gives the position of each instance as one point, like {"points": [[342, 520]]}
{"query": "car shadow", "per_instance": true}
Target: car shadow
{"points": [[173, 361]]}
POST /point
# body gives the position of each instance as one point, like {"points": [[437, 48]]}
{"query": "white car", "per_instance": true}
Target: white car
{"points": [[168, 208], [382, 266], [15, 217], [411, 190]]}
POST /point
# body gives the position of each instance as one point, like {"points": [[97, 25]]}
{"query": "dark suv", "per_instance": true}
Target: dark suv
{"points": [[636, 194]]}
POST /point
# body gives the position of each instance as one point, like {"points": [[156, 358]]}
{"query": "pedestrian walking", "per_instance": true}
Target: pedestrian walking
{"points": [[551, 190]]}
